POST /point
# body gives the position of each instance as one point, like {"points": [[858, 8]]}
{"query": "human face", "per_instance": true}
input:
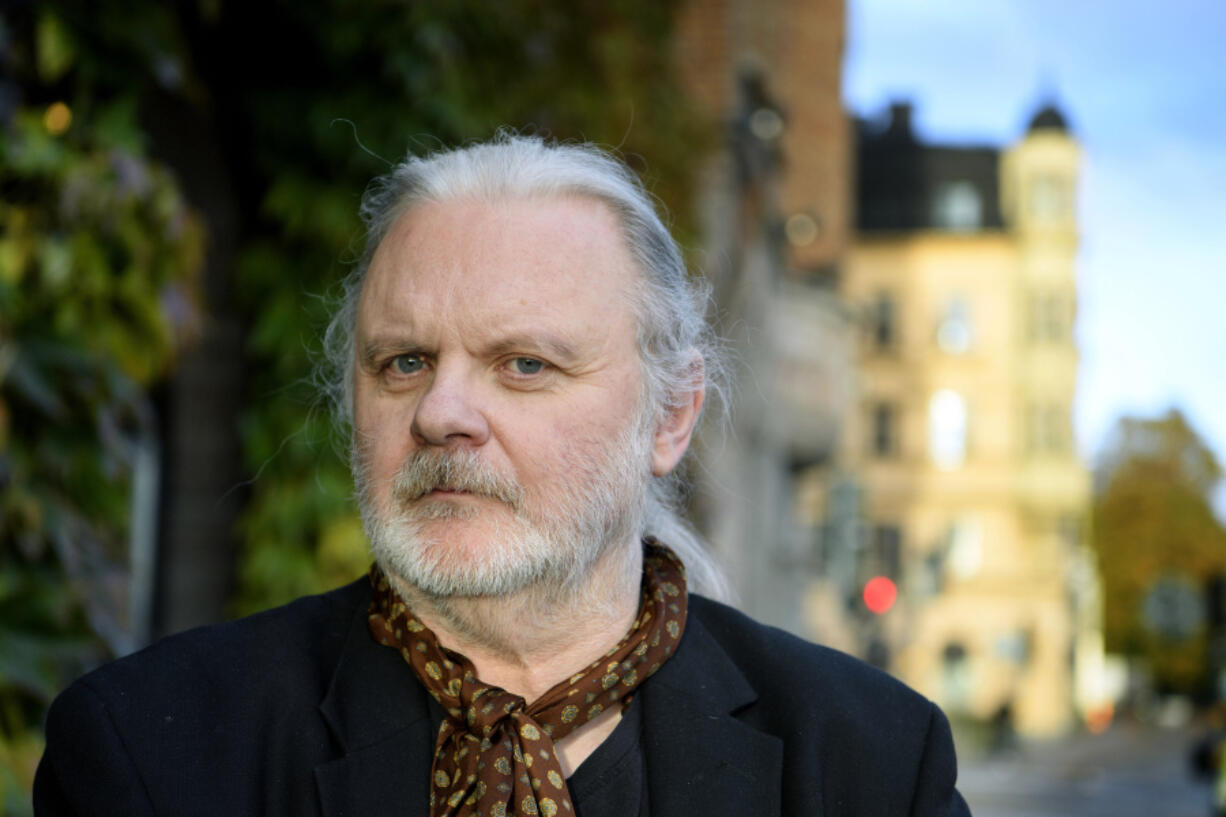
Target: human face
{"points": [[499, 434]]}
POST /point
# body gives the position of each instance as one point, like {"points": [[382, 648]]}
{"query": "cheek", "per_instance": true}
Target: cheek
{"points": [[383, 438], [551, 451]]}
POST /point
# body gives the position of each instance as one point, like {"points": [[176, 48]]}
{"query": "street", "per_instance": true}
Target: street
{"points": [[1131, 770]]}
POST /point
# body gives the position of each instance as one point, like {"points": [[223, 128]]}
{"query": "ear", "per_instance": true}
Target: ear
{"points": [[672, 437]]}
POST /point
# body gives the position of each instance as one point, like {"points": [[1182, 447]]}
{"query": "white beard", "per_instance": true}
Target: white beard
{"points": [[547, 544]]}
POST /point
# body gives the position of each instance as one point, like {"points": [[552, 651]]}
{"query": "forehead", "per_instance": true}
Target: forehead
{"points": [[500, 264]]}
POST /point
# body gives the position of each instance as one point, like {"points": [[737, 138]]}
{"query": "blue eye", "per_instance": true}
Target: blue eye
{"points": [[528, 365], [408, 364]]}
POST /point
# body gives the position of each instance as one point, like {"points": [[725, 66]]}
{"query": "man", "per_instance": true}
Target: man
{"points": [[522, 360]]}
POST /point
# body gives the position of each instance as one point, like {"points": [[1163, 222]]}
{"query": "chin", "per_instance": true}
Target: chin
{"points": [[450, 558]]}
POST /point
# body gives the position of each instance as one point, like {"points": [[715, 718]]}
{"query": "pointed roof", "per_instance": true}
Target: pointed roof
{"points": [[1049, 117]]}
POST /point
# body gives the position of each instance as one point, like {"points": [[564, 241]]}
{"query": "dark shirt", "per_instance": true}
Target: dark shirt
{"points": [[612, 780]]}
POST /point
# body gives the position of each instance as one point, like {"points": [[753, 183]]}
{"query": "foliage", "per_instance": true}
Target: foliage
{"points": [[1153, 520], [98, 256]]}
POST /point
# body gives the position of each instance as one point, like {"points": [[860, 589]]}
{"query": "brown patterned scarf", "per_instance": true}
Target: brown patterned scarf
{"points": [[495, 756]]}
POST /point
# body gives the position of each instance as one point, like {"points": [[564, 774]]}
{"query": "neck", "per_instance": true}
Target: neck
{"points": [[530, 641]]}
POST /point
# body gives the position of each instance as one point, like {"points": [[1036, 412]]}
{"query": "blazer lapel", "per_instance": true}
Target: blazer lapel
{"points": [[379, 716], [700, 758]]}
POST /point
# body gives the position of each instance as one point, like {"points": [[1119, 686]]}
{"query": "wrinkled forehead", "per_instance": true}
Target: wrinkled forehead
{"points": [[554, 221], [504, 263]]}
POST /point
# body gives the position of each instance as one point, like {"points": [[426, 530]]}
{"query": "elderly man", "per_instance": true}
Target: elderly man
{"points": [[522, 359]]}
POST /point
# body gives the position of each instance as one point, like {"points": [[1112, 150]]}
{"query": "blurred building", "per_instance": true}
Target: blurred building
{"points": [[791, 52], [901, 316], [774, 204], [958, 478]]}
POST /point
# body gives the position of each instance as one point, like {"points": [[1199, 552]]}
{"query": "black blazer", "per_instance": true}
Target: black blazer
{"points": [[297, 711]]}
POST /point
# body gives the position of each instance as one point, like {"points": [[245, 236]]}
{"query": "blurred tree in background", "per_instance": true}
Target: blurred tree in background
{"points": [[168, 164], [1158, 545]]}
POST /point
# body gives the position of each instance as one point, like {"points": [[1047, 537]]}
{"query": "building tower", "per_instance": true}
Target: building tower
{"points": [[971, 498]]}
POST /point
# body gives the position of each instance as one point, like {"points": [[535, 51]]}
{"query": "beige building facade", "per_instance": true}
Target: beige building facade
{"points": [[969, 494]]}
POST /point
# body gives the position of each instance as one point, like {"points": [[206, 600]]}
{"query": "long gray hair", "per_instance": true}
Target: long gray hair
{"points": [[679, 352]]}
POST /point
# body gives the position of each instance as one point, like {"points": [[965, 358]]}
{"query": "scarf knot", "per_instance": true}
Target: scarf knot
{"points": [[494, 755]]}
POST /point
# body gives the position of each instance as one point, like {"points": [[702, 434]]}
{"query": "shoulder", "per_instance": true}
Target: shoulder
{"points": [[229, 702], [776, 661], [296, 638], [863, 735], [240, 671], [801, 686]]}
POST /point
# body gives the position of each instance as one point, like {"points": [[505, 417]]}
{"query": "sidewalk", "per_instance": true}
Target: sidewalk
{"points": [[1130, 771]]}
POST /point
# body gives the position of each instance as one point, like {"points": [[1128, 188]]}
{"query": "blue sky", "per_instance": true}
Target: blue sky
{"points": [[1144, 87]]}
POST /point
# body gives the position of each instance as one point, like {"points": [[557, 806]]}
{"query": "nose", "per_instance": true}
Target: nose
{"points": [[449, 413]]}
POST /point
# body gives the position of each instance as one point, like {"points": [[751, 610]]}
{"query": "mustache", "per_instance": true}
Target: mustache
{"points": [[429, 470]]}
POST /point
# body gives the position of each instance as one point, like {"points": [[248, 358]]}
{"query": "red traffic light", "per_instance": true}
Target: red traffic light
{"points": [[879, 594]]}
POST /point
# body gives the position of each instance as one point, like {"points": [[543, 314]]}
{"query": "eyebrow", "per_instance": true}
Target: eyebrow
{"points": [[551, 345], [377, 348]]}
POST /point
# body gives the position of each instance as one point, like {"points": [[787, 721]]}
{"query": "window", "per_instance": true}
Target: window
{"points": [[1015, 646], [884, 439], [883, 322], [954, 330], [1049, 318], [964, 548], [885, 551], [1048, 429], [957, 206], [955, 676], [1051, 198], [947, 421]]}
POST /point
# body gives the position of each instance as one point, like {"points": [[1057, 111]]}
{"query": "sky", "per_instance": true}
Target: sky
{"points": [[1143, 85]]}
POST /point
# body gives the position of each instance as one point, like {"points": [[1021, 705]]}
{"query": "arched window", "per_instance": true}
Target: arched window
{"points": [[957, 206]]}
